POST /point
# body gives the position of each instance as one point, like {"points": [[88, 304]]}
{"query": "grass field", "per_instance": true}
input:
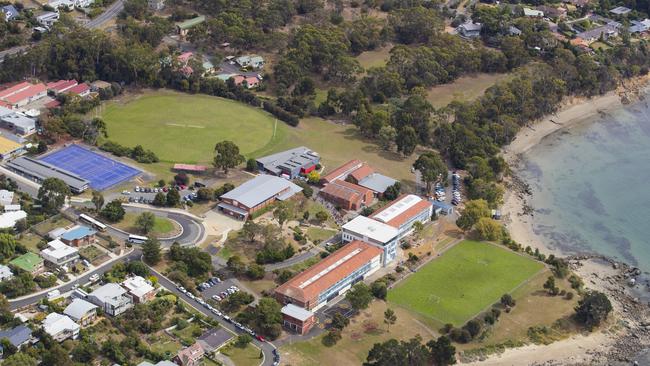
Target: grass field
{"points": [[464, 281], [184, 128], [161, 227], [466, 88], [375, 58]]}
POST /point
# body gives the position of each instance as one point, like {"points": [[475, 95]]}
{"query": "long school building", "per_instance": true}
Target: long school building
{"points": [[405, 211], [331, 277]]}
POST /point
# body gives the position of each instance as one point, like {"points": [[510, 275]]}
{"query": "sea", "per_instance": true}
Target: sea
{"points": [[590, 187]]}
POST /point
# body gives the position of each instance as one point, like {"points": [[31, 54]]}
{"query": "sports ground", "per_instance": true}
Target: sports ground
{"points": [[464, 281], [184, 128], [101, 171]]}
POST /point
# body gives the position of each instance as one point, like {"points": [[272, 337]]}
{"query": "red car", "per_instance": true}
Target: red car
{"points": [[260, 338], [165, 189]]}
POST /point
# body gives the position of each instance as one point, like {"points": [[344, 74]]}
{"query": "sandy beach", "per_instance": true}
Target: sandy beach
{"points": [[594, 348]]}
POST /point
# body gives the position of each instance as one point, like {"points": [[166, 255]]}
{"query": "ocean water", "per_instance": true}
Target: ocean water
{"points": [[591, 186]]}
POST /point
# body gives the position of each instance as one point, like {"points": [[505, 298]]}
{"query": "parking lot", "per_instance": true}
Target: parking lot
{"points": [[217, 289], [147, 194]]}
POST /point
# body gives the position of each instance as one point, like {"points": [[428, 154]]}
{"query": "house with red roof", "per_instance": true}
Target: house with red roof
{"points": [[61, 86], [23, 93], [251, 82], [82, 90]]}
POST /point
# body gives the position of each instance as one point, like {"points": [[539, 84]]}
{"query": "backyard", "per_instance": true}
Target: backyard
{"points": [[464, 281]]}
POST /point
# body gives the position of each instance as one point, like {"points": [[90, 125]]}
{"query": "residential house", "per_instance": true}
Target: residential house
{"points": [[256, 194], [12, 208], [10, 12], [533, 13], [78, 236], [470, 29], [81, 311], [553, 11], [190, 356], [160, 363], [639, 26], [156, 5], [17, 336], [57, 4], [60, 327], [83, 3], [5, 273], [47, 19], [331, 277], [213, 339], [140, 289], [184, 27], [112, 298], [59, 254], [290, 163], [82, 90], [297, 319], [592, 35], [6, 197], [251, 82], [620, 10], [98, 85], [253, 61], [9, 219], [29, 262]]}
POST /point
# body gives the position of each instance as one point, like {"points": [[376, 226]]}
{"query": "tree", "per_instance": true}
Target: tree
{"points": [[97, 200], [243, 340], [20, 359], [113, 211], [379, 289], [549, 285], [392, 191], [387, 136], [85, 352], [56, 356], [151, 251], [442, 352], [251, 165], [431, 167], [313, 177], [407, 140], [488, 229], [236, 265], [7, 246], [322, 216], [173, 198], [145, 222], [340, 321], [268, 317], [507, 300], [160, 199], [228, 156], [182, 179], [255, 271], [52, 194], [398, 353], [473, 211], [204, 194], [359, 296], [473, 327], [282, 214], [593, 309], [389, 317]]}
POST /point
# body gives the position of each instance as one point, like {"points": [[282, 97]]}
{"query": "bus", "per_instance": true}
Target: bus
{"points": [[94, 223], [137, 239]]}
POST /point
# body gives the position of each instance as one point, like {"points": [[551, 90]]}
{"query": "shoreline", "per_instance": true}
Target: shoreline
{"points": [[628, 331]]}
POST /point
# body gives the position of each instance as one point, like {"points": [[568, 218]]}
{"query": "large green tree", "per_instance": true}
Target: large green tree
{"points": [[473, 212], [359, 296], [52, 194], [145, 222], [7, 246], [113, 211], [227, 156], [593, 309], [431, 167], [97, 200], [151, 252]]}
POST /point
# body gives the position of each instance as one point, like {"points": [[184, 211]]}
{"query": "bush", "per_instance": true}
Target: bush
{"points": [[569, 295], [507, 300]]}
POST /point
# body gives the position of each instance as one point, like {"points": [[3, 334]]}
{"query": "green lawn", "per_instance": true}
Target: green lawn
{"points": [[161, 227], [463, 281], [249, 356], [184, 128], [317, 234]]}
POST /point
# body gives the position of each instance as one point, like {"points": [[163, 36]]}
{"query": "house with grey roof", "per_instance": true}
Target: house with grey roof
{"points": [[47, 19], [254, 61], [213, 339], [620, 10], [81, 311], [470, 29], [10, 12], [5, 273], [639, 26], [112, 298], [289, 163], [255, 194], [17, 336]]}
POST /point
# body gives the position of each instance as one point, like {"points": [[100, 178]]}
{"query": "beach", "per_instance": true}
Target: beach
{"points": [[613, 343]]}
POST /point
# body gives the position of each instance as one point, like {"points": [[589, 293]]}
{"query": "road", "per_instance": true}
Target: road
{"points": [[317, 250], [266, 347], [15, 304], [111, 12]]}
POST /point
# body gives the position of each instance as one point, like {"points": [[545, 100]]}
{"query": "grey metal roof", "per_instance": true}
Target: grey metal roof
{"points": [[260, 189], [78, 308], [20, 121], [17, 335], [214, 338], [296, 312], [377, 182], [297, 157], [43, 170], [6, 112]]}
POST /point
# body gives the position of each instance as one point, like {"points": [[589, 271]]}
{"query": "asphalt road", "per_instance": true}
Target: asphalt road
{"points": [[302, 256], [266, 347], [15, 304], [110, 13]]}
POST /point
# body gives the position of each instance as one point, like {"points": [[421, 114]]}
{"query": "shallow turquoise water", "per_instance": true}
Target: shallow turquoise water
{"points": [[591, 186]]}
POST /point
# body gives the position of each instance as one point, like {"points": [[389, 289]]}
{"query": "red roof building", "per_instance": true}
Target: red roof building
{"points": [[252, 82], [403, 212], [81, 90], [61, 86], [347, 195], [361, 173], [190, 356], [23, 93], [342, 172], [238, 79], [331, 277]]}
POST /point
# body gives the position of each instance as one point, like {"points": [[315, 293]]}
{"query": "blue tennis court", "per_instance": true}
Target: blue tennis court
{"points": [[101, 171]]}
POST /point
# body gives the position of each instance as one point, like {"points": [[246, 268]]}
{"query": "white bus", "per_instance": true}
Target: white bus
{"points": [[96, 224], [137, 239]]}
